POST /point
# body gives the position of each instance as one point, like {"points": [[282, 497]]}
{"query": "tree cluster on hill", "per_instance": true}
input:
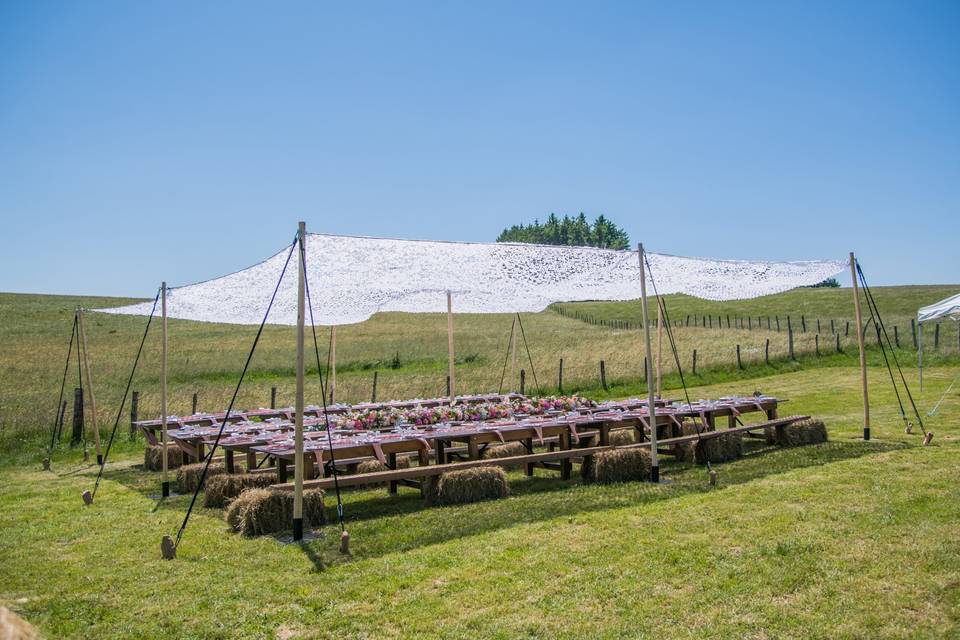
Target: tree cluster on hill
{"points": [[603, 233], [829, 283]]}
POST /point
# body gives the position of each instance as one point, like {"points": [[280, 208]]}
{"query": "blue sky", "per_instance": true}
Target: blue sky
{"points": [[180, 141]]}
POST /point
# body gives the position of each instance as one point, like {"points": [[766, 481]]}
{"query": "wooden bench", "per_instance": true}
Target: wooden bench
{"points": [[398, 475]]}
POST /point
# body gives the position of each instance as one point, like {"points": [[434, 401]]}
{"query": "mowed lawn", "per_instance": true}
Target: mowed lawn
{"points": [[846, 539]]}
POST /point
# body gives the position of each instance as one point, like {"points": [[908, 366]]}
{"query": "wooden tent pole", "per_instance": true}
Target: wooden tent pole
{"points": [[863, 356], [333, 363], [651, 400], [450, 366], [513, 353], [93, 401], [298, 415], [659, 347], [164, 443]]}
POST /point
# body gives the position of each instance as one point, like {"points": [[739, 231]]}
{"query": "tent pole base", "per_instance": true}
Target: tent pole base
{"points": [[866, 433], [297, 529]]}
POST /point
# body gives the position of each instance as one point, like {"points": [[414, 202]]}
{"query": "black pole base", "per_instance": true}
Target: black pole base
{"points": [[866, 433], [297, 529], [655, 473], [99, 460], [165, 490]]}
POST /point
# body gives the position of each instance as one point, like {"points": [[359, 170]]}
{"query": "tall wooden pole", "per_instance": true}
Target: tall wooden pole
{"points": [[513, 354], [453, 380], [298, 416], [863, 356], [659, 347], [651, 399], [165, 480], [333, 363], [93, 401]]}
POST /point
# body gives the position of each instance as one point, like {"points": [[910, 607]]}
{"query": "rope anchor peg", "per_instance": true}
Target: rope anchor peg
{"points": [[87, 498], [168, 550], [927, 439], [909, 428], [345, 543], [713, 477]]}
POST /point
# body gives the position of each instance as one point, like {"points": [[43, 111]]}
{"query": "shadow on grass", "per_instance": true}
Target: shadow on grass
{"points": [[381, 524]]}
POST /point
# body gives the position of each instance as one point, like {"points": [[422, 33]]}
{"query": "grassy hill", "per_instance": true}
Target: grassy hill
{"points": [[408, 352]]}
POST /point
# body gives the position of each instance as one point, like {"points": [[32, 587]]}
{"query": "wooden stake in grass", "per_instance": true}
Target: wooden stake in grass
{"points": [[651, 399], [450, 358], [165, 480], [863, 355], [93, 400], [298, 416]]}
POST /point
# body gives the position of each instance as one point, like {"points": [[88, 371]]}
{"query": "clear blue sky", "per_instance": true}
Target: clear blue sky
{"points": [[144, 141]]}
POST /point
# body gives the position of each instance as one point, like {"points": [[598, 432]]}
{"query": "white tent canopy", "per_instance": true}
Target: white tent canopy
{"points": [[351, 278], [946, 308]]}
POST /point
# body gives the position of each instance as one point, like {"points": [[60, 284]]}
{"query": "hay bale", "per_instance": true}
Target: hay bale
{"points": [[621, 437], [506, 450], [257, 512], [188, 476], [374, 466], [616, 465], [153, 457], [722, 448], [811, 431], [465, 486], [13, 627], [686, 451], [221, 489]]}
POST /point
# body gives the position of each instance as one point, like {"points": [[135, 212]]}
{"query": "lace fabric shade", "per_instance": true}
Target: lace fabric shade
{"points": [[351, 278]]}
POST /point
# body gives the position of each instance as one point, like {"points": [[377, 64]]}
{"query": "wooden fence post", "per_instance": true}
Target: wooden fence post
{"points": [[913, 331], [749, 322], [833, 328], [768, 323], [448, 384], [818, 325], [847, 332], [134, 410], [936, 336], [194, 407], [273, 397], [560, 378], [789, 324], [838, 342], [778, 324], [523, 382], [790, 341], [77, 435], [816, 342], [373, 396], [896, 335], [739, 364], [803, 323], [603, 375], [766, 352], [694, 362], [728, 321]]}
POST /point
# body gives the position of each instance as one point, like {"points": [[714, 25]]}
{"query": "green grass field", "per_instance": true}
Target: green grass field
{"points": [[847, 539], [207, 358]]}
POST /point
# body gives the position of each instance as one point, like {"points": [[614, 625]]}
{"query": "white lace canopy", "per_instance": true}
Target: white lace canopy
{"points": [[351, 278]]}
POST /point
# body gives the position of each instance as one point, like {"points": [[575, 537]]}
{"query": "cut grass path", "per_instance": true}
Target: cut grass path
{"points": [[846, 539]]}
